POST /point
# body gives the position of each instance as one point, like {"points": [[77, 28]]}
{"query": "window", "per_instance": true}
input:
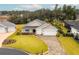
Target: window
{"points": [[27, 30]]}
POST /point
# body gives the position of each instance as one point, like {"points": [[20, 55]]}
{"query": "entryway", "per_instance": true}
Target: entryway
{"points": [[34, 31]]}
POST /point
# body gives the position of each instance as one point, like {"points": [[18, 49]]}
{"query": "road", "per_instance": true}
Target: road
{"points": [[11, 51]]}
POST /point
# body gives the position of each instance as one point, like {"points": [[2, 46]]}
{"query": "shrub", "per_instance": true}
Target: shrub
{"points": [[58, 34]]}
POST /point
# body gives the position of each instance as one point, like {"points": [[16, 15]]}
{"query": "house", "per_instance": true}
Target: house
{"points": [[39, 27], [6, 26], [73, 26]]}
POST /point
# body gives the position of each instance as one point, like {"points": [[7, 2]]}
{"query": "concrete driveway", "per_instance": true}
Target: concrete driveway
{"points": [[3, 36], [54, 47]]}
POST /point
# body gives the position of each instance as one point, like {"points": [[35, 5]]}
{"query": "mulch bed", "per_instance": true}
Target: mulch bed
{"points": [[9, 41]]}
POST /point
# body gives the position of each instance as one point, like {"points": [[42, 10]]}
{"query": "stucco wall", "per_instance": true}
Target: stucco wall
{"points": [[38, 31]]}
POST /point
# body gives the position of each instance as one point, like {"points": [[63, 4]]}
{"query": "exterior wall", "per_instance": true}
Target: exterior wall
{"points": [[29, 30], [49, 32], [74, 31], [2, 30], [38, 31]]}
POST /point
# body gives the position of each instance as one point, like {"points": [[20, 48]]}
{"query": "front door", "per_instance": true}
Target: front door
{"points": [[34, 31]]}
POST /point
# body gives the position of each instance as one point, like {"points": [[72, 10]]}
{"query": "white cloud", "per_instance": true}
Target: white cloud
{"points": [[52, 7], [30, 7]]}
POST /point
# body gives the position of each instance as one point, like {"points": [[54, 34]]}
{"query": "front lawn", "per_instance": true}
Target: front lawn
{"points": [[27, 43], [70, 46]]}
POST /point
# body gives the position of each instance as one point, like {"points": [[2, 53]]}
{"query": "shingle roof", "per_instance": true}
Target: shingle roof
{"points": [[39, 24], [52, 27], [1, 25], [35, 22], [74, 24], [7, 24]]}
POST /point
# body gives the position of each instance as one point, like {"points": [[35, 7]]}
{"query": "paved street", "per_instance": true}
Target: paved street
{"points": [[11, 51]]}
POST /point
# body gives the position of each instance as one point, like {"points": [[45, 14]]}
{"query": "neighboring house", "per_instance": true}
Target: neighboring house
{"points": [[39, 27], [73, 26], [6, 26]]}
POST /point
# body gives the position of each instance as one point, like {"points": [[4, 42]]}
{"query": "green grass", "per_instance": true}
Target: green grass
{"points": [[28, 43], [70, 46]]}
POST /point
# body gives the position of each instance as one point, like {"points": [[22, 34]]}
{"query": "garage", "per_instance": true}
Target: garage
{"points": [[50, 31]]}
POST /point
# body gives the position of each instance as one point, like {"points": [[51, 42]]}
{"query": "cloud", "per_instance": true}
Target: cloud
{"points": [[53, 6], [30, 7]]}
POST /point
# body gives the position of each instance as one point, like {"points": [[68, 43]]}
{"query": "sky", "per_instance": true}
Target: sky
{"points": [[29, 7]]}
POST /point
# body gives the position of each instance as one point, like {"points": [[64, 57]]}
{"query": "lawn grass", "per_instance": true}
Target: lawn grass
{"points": [[70, 46], [28, 43]]}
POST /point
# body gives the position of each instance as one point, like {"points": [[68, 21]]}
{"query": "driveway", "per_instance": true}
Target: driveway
{"points": [[3, 36], [54, 47]]}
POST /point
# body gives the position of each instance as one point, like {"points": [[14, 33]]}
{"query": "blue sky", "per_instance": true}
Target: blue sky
{"points": [[30, 7]]}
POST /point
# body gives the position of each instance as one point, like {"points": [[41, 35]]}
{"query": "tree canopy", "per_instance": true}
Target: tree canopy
{"points": [[67, 12]]}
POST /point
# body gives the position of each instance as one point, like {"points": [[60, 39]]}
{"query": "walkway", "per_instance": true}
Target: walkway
{"points": [[54, 47]]}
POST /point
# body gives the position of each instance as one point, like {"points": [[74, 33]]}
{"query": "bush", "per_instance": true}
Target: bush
{"points": [[18, 33], [58, 35], [69, 35]]}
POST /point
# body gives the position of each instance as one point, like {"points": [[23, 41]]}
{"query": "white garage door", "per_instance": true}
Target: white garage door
{"points": [[11, 29], [49, 32], [2, 30]]}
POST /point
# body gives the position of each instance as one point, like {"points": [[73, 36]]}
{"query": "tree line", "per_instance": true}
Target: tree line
{"points": [[67, 12]]}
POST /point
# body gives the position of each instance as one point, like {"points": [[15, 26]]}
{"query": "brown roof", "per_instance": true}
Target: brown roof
{"points": [[3, 17]]}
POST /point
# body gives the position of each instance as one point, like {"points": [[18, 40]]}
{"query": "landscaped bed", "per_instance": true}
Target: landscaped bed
{"points": [[27, 43]]}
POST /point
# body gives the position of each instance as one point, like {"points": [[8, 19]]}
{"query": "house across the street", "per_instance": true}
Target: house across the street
{"points": [[6, 26], [73, 25], [40, 27]]}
